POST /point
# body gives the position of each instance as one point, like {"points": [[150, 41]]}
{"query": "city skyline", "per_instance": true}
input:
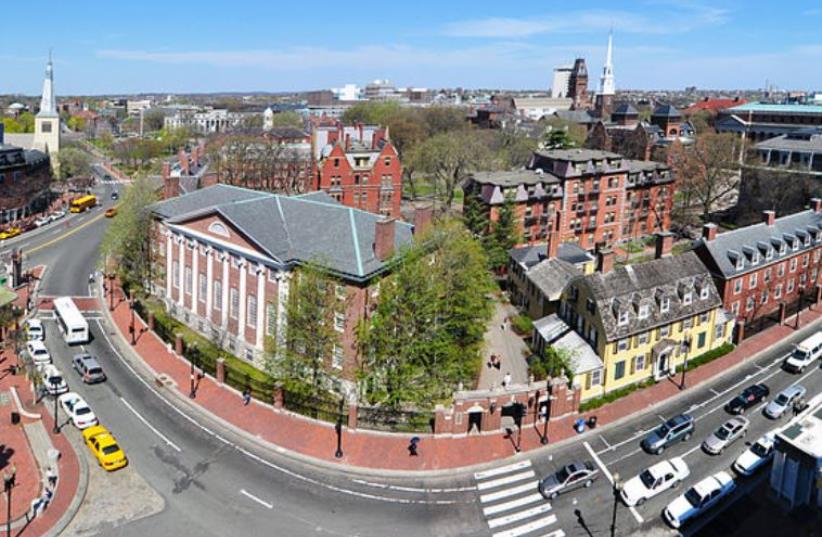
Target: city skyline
{"points": [[196, 48]]}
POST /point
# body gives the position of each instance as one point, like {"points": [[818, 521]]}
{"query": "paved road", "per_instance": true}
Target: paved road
{"points": [[214, 483]]}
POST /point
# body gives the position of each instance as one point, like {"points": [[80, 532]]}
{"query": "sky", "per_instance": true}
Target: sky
{"points": [[182, 46]]}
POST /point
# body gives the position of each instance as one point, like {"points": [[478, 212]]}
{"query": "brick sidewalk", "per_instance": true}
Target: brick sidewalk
{"points": [[385, 451]]}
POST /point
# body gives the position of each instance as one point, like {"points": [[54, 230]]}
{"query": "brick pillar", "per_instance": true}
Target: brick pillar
{"points": [[739, 334], [220, 372], [353, 415], [492, 421], [151, 321], [178, 344], [818, 295], [440, 422], [278, 396], [531, 408], [782, 310]]}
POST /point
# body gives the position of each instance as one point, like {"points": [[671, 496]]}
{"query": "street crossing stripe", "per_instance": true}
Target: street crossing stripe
{"points": [[558, 533], [494, 496], [528, 474], [502, 470], [520, 515], [507, 506], [527, 528]]}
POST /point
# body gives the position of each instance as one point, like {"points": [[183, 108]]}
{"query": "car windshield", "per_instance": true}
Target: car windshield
{"points": [[562, 475], [738, 401], [113, 448], [722, 433], [759, 450], [647, 479], [781, 399], [693, 497], [40, 351], [82, 410], [800, 354], [56, 379], [663, 429]]}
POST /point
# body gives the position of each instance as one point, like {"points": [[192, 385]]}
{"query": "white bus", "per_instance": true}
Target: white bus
{"points": [[72, 323]]}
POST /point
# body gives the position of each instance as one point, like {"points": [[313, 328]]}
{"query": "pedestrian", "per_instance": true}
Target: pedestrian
{"points": [[412, 446], [498, 365], [51, 477], [246, 397], [506, 380]]}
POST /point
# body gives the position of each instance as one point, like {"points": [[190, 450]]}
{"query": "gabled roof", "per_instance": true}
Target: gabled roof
{"points": [[293, 229], [555, 332], [741, 244], [625, 109], [666, 110]]}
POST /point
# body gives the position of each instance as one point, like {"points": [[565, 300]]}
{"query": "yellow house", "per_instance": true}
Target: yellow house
{"points": [[642, 321]]}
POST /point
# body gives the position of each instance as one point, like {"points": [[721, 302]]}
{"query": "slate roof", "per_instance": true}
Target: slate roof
{"points": [[551, 276], [555, 332], [575, 116], [806, 140], [625, 289], [625, 109], [293, 230], [514, 178], [577, 155], [666, 110], [528, 256], [748, 246]]}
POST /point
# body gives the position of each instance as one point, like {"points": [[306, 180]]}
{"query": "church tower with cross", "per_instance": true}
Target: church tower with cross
{"points": [[47, 120]]}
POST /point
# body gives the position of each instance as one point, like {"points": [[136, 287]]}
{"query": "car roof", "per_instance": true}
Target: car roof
{"points": [[736, 420], [51, 369], [766, 440], [37, 344], [792, 390], [35, 322], [661, 468], [680, 419], [711, 483]]}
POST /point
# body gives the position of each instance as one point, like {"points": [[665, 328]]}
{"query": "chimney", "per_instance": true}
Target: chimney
{"points": [[664, 243], [183, 158], [605, 260], [347, 142], [422, 219], [816, 203], [709, 232], [384, 238], [769, 217], [171, 185], [553, 245], [359, 128]]}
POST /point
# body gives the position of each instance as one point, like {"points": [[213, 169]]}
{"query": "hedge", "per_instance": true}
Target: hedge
{"points": [[693, 363], [522, 325]]}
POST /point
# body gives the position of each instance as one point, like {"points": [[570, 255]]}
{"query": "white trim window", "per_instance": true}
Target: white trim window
{"points": [[218, 295], [271, 319], [339, 321], [750, 303], [175, 274], [704, 292], [777, 293], [596, 377], [337, 357], [639, 362], [791, 285], [251, 308], [623, 318], [752, 279], [687, 298], [233, 302], [793, 265], [203, 287], [189, 282], [665, 305], [738, 286], [644, 311], [780, 270]]}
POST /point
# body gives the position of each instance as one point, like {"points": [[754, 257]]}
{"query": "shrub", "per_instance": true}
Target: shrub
{"points": [[709, 356], [610, 397], [522, 325]]}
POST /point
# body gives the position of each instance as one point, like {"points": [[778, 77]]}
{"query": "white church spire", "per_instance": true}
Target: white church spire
{"points": [[606, 82], [48, 105]]}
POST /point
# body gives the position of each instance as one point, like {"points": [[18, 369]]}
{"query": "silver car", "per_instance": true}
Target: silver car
{"points": [[782, 402], [728, 433]]}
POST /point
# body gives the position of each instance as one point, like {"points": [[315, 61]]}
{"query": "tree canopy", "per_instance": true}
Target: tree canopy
{"points": [[73, 162]]}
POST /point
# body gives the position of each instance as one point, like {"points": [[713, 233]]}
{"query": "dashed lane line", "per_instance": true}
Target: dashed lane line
{"points": [[608, 475], [256, 499], [153, 429], [695, 448], [528, 528]]}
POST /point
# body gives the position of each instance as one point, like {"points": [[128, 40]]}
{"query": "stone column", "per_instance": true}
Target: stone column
{"points": [[224, 318], [782, 311], [352, 415], [220, 372], [169, 271], [209, 282], [260, 308], [195, 278], [243, 299], [182, 277]]}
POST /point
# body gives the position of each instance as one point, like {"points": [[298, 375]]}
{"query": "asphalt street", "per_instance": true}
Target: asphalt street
{"points": [[215, 483]]}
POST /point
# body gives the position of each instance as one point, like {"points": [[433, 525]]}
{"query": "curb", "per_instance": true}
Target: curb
{"points": [[149, 375], [82, 489]]}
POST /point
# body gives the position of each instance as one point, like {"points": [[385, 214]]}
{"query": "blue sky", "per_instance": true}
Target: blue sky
{"points": [[250, 45]]}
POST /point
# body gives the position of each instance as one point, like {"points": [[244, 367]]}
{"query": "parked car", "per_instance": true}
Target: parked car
{"points": [[567, 478], [57, 215], [698, 499], [804, 354], [728, 433], [756, 456], [784, 400], [53, 381], [104, 448], [89, 368], [678, 428], [42, 221], [10, 233], [658, 478], [35, 330], [38, 352], [748, 398], [78, 410]]}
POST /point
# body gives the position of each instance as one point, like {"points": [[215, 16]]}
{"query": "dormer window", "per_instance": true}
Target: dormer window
{"points": [[704, 292], [665, 305], [687, 298], [644, 311], [768, 254], [783, 248], [807, 240], [755, 258], [740, 263], [795, 245], [622, 320]]}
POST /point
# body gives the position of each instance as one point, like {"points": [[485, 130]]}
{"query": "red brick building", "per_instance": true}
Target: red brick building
{"points": [[25, 176], [223, 258], [359, 167], [581, 196], [758, 267]]}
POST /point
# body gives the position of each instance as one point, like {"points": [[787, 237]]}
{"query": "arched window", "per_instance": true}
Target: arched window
{"points": [[218, 229]]}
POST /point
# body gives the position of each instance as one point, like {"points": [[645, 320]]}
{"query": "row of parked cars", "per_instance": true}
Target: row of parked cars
{"points": [[99, 440]]}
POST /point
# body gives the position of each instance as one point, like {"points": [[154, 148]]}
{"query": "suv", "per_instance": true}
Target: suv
{"points": [[679, 427], [748, 398], [89, 368], [782, 402], [804, 354]]}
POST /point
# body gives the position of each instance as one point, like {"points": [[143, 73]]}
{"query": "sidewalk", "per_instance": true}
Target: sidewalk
{"points": [[388, 452], [501, 340]]}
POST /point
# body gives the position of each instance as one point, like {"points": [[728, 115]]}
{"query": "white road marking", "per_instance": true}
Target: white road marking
{"points": [[715, 392], [607, 445], [513, 504], [494, 496], [527, 528], [502, 470], [521, 515], [808, 374], [760, 407], [256, 499], [607, 474], [661, 418], [558, 533], [414, 489], [695, 448], [507, 480], [164, 438]]}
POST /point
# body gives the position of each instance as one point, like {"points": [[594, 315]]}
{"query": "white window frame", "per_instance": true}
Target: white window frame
{"points": [[339, 321], [218, 295], [750, 303], [665, 305], [202, 287], [622, 319], [794, 264], [644, 311], [738, 284], [596, 377], [175, 274], [233, 302], [337, 357], [777, 293], [687, 298], [753, 279], [251, 310], [704, 293], [189, 280]]}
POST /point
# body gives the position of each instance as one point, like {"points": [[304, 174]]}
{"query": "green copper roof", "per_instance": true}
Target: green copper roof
{"points": [[778, 108]]}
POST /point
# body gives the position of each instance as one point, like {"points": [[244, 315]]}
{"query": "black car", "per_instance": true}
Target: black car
{"points": [[569, 477], [114, 195], [748, 398], [678, 428]]}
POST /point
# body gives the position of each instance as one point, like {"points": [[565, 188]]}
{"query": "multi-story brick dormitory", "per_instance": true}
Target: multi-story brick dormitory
{"points": [[359, 167], [587, 197], [759, 267], [224, 257]]}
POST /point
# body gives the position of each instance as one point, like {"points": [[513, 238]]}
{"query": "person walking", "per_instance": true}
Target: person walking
{"points": [[412, 446], [246, 397], [506, 380], [51, 477]]}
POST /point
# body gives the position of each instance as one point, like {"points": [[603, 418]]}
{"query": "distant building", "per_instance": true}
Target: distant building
{"points": [[535, 108], [796, 473], [760, 121], [799, 150], [25, 177], [381, 90], [578, 85], [713, 105], [206, 122], [359, 167], [561, 81], [349, 92], [134, 107], [47, 120]]}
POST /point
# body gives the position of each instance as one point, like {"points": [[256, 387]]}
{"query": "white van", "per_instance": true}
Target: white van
{"points": [[804, 354]]}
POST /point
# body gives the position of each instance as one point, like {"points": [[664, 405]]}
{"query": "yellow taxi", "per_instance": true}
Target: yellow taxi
{"points": [[104, 447], [111, 213], [10, 232]]}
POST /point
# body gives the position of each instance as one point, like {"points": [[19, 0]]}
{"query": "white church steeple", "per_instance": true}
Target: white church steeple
{"points": [[606, 82], [48, 105], [47, 120]]}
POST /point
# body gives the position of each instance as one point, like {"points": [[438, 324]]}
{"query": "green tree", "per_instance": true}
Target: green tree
{"points": [[426, 334], [371, 112], [24, 123], [76, 123], [310, 335], [126, 242], [503, 235], [475, 216], [153, 120], [564, 134], [73, 162], [554, 362], [288, 119]]}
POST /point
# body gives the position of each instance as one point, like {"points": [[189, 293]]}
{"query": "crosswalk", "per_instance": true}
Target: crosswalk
{"points": [[511, 503]]}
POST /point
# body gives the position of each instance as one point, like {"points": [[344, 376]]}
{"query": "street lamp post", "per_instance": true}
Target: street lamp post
{"points": [[54, 385], [544, 439], [687, 346], [193, 391], [8, 485], [616, 489], [111, 291], [131, 307], [338, 428]]}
